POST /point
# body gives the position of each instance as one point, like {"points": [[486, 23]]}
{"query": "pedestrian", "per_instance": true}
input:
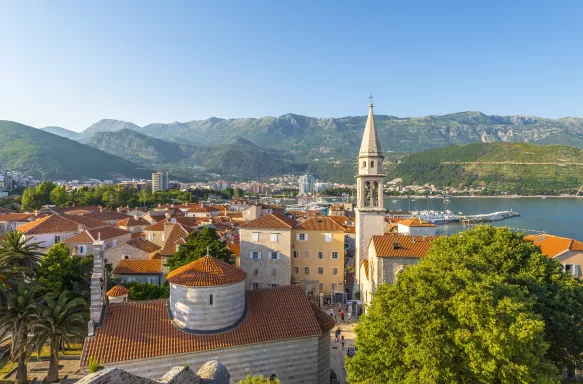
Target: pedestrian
{"points": [[342, 316], [349, 316], [346, 307], [342, 342], [337, 334], [331, 312]]}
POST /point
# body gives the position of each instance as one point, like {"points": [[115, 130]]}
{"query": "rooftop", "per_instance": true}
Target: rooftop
{"points": [[320, 224], [271, 221], [416, 222], [118, 290], [206, 271], [552, 246], [142, 330], [131, 222], [138, 267], [90, 235], [58, 224], [402, 246]]}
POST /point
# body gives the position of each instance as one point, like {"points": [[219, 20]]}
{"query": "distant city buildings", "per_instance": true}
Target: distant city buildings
{"points": [[160, 181], [306, 184]]}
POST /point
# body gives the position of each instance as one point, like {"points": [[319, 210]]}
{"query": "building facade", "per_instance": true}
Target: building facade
{"points": [[306, 184], [160, 181]]}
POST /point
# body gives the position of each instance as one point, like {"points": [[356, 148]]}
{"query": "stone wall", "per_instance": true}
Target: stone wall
{"points": [[191, 306], [293, 361], [115, 254], [389, 267], [324, 358]]}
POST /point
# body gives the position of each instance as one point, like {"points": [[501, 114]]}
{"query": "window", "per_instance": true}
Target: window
{"points": [[307, 254], [334, 255], [372, 164], [302, 236], [256, 286], [151, 237], [273, 238], [296, 254], [274, 272], [211, 299], [296, 269], [273, 286], [321, 286], [320, 255], [334, 287], [57, 239], [255, 271], [320, 270], [273, 377], [334, 271], [572, 269], [81, 249], [274, 255], [255, 255], [255, 236], [306, 270], [328, 237], [126, 257]]}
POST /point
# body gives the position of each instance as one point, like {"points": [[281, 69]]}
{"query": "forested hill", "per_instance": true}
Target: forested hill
{"points": [[48, 156], [514, 167]]}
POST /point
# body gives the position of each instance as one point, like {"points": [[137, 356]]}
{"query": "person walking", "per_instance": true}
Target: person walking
{"points": [[342, 316], [337, 334], [349, 316], [342, 342]]}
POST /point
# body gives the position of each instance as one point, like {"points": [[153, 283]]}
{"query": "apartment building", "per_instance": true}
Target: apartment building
{"points": [[160, 181]]}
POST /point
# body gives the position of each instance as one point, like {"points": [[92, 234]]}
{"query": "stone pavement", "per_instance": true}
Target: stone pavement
{"points": [[337, 354], [68, 365]]}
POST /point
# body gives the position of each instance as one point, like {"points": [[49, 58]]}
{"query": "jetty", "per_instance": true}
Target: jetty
{"points": [[487, 217]]}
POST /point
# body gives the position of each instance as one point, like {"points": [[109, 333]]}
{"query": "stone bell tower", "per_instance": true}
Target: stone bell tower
{"points": [[369, 212]]}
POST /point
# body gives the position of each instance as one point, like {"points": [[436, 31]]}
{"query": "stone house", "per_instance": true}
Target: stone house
{"points": [[416, 227], [81, 244], [135, 249], [265, 251], [52, 229]]}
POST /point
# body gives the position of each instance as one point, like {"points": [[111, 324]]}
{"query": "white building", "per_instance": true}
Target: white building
{"points": [[160, 181], [306, 184], [369, 212], [416, 227]]}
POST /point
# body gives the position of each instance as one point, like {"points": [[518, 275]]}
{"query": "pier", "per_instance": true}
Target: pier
{"points": [[487, 217]]}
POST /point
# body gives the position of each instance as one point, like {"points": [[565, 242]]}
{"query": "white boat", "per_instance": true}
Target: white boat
{"points": [[395, 201]]}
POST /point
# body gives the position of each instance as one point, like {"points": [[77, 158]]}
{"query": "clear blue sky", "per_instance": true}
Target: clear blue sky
{"points": [[71, 63]]}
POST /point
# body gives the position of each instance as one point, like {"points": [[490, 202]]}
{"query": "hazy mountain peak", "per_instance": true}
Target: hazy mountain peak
{"points": [[109, 125]]}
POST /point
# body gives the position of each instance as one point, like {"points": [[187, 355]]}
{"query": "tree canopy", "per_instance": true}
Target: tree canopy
{"points": [[483, 306], [196, 247]]}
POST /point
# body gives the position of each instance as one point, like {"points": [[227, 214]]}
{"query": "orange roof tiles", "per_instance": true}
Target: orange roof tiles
{"points": [[143, 330], [138, 267], [552, 246], [206, 271], [132, 222], [174, 234], [82, 237], [365, 265], [402, 246], [90, 235], [416, 222], [20, 216], [118, 290], [143, 245], [159, 226], [320, 224], [272, 220], [235, 248], [58, 224]]}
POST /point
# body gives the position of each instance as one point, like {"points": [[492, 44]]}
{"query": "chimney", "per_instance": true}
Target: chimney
{"points": [[98, 287], [36, 212], [81, 227], [100, 208], [167, 215]]}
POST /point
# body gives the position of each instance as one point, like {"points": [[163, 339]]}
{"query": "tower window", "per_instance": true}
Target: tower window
{"points": [[372, 164], [364, 164]]}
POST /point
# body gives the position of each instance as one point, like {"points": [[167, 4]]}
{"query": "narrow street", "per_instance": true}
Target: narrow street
{"points": [[337, 354]]}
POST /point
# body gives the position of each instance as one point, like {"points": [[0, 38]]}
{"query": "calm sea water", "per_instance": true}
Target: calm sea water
{"points": [[557, 216]]}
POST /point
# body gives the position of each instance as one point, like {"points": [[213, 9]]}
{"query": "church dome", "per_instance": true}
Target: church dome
{"points": [[206, 271]]}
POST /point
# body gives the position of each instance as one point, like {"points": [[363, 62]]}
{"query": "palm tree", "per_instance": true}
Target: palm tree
{"points": [[18, 313], [19, 252], [61, 321]]}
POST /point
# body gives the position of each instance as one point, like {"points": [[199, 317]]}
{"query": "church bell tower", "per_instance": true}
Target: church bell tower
{"points": [[369, 212]]}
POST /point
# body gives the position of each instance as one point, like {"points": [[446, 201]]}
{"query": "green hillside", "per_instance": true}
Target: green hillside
{"points": [[513, 167], [59, 131], [108, 125], [48, 156], [238, 160]]}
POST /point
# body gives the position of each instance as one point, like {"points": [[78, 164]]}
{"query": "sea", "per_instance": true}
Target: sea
{"points": [[554, 215]]}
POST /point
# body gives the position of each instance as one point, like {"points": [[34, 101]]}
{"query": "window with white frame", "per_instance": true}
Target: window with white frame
{"points": [[321, 286], [328, 237], [296, 269], [320, 270], [256, 286], [334, 287], [273, 238], [151, 237], [307, 270], [302, 236], [320, 255], [255, 271], [273, 271], [57, 239], [255, 236], [334, 255], [126, 257], [334, 271], [82, 249], [307, 254], [255, 255], [296, 254], [571, 269], [274, 255]]}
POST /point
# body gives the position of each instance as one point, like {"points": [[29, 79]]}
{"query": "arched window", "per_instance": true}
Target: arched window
{"points": [[211, 299], [364, 164], [372, 164]]}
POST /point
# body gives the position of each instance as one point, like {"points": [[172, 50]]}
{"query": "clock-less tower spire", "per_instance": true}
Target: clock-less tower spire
{"points": [[370, 213]]}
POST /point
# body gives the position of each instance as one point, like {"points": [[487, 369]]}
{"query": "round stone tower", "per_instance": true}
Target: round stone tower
{"points": [[207, 295]]}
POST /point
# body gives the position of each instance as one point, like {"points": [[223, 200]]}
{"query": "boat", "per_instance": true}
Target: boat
{"points": [[395, 201]]}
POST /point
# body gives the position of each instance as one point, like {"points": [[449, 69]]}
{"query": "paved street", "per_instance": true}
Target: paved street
{"points": [[337, 354]]}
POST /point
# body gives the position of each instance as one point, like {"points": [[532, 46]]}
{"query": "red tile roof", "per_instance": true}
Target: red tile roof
{"points": [[58, 224], [143, 330], [552, 246], [132, 222], [138, 267], [235, 248], [174, 234], [206, 271], [319, 224], [20, 217], [118, 290], [416, 222], [90, 235], [402, 246], [272, 220], [159, 226], [143, 245]]}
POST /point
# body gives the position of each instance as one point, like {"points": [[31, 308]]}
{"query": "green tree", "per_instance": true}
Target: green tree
{"points": [[59, 196], [61, 322], [258, 379], [20, 253], [196, 247], [30, 201], [483, 306], [17, 315]]}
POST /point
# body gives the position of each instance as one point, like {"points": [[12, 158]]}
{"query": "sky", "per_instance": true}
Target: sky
{"points": [[72, 63]]}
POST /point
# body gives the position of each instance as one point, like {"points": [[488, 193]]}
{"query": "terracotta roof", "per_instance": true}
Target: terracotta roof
{"points": [[416, 222], [132, 221], [118, 290], [206, 271], [104, 233], [201, 208], [20, 216], [174, 234], [49, 224], [272, 220], [365, 265], [325, 321], [144, 245], [185, 221], [142, 330], [235, 248], [103, 216], [159, 226], [137, 235], [405, 246], [81, 237], [320, 224], [138, 267], [552, 246]]}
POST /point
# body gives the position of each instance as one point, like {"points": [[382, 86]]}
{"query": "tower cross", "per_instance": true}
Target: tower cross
{"points": [[370, 98]]}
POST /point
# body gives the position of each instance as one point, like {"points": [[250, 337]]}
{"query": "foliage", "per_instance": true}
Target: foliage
{"points": [[198, 245], [94, 365], [483, 306], [258, 379], [147, 291], [60, 272], [21, 254]]}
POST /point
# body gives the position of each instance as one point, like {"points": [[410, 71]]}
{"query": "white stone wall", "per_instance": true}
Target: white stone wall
{"points": [[294, 361], [48, 239], [192, 309], [265, 265], [368, 223]]}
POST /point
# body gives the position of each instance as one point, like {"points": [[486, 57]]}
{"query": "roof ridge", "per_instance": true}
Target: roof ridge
{"points": [[280, 219]]}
